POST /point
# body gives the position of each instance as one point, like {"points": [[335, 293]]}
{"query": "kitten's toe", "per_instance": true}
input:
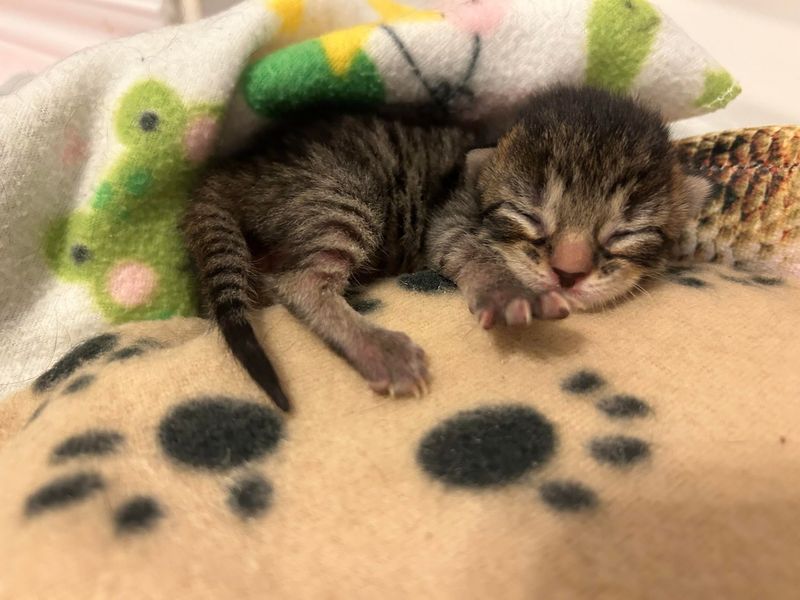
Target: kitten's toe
{"points": [[551, 306], [487, 318], [512, 305], [380, 386], [518, 312], [392, 364]]}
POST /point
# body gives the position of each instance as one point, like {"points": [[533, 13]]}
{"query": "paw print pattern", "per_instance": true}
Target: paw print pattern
{"points": [[137, 514], [214, 434], [63, 491], [83, 353], [361, 304], [582, 382], [622, 406], [429, 282], [567, 496], [615, 450], [250, 496], [487, 447], [499, 445], [751, 279], [138, 348], [220, 434], [90, 443], [688, 275], [79, 383], [684, 275], [86, 353], [144, 190]]}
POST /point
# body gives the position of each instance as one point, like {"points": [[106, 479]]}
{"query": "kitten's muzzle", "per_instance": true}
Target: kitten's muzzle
{"points": [[568, 280], [572, 260]]}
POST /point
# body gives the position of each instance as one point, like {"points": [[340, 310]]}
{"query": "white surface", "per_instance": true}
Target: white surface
{"points": [[37, 33], [758, 42]]}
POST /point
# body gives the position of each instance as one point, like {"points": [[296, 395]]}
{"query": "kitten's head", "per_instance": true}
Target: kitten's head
{"points": [[584, 194]]}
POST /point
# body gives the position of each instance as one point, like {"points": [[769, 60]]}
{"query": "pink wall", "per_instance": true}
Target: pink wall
{"points": [[36, 33]]}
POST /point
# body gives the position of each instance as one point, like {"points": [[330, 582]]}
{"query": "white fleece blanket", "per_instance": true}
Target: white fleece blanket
{"points": [[98, 153]]}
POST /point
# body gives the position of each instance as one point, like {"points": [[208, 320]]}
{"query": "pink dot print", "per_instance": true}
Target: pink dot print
{"points": [[131, 284], [475, 16], [198, 141]]}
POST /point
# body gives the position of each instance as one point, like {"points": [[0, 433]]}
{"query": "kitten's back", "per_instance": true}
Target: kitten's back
{"points": [[359, 188]]}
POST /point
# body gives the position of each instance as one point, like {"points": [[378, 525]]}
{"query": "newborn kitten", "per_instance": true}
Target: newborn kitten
{"points": [[584, 195], [578, 201]]}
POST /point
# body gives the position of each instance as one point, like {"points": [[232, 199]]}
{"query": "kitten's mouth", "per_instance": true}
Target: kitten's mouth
{"points": [[592, 299]]}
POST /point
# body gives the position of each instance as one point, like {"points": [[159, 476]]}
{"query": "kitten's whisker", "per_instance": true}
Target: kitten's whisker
{"points": [[644, 291], [658, 277]]}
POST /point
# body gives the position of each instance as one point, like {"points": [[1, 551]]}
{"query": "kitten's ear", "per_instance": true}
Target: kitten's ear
{"points": [[696, 191], [475, 162]]}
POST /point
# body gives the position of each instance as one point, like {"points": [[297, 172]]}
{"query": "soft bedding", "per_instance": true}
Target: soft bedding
{"points": [[642, 451]]}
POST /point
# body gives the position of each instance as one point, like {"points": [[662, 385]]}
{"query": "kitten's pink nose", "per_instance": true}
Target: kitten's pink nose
{"points": [[572, 260]]}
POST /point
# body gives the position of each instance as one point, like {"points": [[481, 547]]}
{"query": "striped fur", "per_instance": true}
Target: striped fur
{"points": [[324, 204], [587, 165], [338, 200]]}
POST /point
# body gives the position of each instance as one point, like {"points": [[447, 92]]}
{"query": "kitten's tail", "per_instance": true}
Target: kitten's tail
{"points": [[222, 258]]}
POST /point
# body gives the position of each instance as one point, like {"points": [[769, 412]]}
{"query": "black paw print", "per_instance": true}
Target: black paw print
{"points": [[498, 445], [687, 275], [361, 304], [751, 279], [221, 434], [137, 348], [86, 353], [81, 354], [426, 281], [138, 513], [616, 450], [214, 434]]}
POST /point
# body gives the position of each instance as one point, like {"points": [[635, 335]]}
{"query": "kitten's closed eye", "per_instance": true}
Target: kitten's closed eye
{"points": [[512, 223], [542, 239], [507, 206], [642, 233], [534, 219]]}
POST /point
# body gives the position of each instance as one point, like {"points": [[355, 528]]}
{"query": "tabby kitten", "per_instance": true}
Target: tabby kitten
{"points": [[583, 195], [579, 201]]}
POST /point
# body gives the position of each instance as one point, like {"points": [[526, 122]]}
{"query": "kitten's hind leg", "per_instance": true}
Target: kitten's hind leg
{"points": [[388, 360]]}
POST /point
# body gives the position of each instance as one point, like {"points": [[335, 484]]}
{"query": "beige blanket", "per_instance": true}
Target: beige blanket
{"points": [[649, 451]]}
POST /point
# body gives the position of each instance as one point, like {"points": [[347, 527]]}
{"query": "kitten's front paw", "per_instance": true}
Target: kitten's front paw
{"points": [[516, 305], [392, 364]]}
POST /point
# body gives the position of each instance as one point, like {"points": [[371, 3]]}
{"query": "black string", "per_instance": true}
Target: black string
{"points": [[409, 59], [443, 94]]}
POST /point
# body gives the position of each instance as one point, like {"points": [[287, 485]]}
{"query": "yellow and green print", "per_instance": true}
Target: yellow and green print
{"points": [[125, 245]]}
